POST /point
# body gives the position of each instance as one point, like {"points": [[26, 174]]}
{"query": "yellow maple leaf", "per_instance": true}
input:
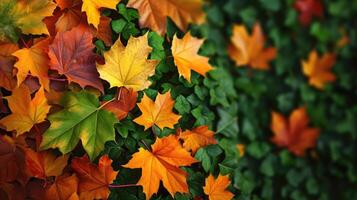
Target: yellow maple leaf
{"points": [[162, 163], [36, 61], [157, 113], [186, 58], [216, 189], [249, 50], [318, 69], [25, 112], [91, 7], [153, 13], [128, 66], [196, 138], [28, 15]]}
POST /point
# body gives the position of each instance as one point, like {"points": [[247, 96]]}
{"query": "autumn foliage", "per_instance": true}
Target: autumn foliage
{"points": [[184, 99]]}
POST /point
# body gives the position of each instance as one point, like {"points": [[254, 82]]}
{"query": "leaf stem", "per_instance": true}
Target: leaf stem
{"points": [[57, 79], [104, 104], [146, 146], [154, 131], [118, 94], [122, 186], [23, 41]]}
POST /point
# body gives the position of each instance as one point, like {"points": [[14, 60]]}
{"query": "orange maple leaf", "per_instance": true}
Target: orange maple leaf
{"points": [[196, 138], [318, 69], [216, 189], [94, 180], [34, 60], [162, 163], [64, 188], [186, 57], [124, 104], [249, 50], [153, 13], [157, 113], [44, 164], [25, 112], [294, 134]]}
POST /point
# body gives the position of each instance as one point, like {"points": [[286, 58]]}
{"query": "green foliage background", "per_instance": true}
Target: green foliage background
{"points": [[237, 103]]}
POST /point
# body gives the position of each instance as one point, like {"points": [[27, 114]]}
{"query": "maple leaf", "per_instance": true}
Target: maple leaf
{"points": [[196, 138], [157, 113], [26, 15], [128, 66], [35, 60], [249, 50], [7, 61], [153, 13], [81, 118], [124, 104], [186, 58], [91, 7], [94, 180], [44, 164], [25, 112], [216, 189], [70, 18], [105, 31], [63, 188], [12, 161], [294, 134], [162, 164], [308, 9], [318, 69], [71, 54]]}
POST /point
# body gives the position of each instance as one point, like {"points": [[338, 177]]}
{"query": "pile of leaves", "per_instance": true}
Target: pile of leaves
{"points": [[143, 99]]}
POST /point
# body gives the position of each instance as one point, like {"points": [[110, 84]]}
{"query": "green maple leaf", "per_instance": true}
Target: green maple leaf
{"points": [[81, 119], [24, 16]]}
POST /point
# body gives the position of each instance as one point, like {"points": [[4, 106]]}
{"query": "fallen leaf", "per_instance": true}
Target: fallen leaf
{"points": [[318, 69], [71, 54], [153, 13], [105, 30], [70, 18], [26, 15], [307, 10], [12, 191], [196, 138], [186, 57], [249, 50], [35, 190], [34, 60], [216, 189], [91, 7], [25, 112], [81, 119], [294, 134], [124, 104], [63, 188], [12, 161], [94, 180], [162, 164], [128, 66], [7, 61], [44, 164], [157, 113]]}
